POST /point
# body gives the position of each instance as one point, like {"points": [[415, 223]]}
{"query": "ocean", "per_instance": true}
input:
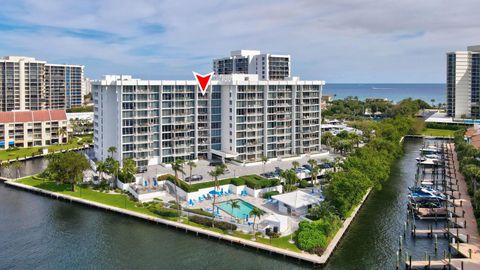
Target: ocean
{"points": [[390, 91]]}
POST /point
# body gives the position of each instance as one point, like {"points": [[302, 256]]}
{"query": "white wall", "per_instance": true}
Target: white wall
{"points": [[106, 120], [462, 84]]}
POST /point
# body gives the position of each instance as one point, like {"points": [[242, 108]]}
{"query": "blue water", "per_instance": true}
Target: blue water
{"points": [[240, 213], [393, 92]]}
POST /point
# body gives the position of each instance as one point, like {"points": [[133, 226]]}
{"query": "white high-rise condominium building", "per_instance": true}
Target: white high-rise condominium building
{"points": [[267, 66], [241, 117], [463, 83], [30, 84]]}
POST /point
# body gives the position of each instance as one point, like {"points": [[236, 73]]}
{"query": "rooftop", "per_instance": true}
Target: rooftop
{"points": [[32, 116], [297, 199]]}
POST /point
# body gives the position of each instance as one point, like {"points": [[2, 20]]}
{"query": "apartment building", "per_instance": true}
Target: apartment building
{"points": [[241, 117], [266, 66], [30, 84], [463, 83], [32, 128]]}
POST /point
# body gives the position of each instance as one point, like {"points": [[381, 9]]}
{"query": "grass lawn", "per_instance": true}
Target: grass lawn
{"points": [[438, 132], [23, 152], [281, 242], [117, 200], [123, 201]]}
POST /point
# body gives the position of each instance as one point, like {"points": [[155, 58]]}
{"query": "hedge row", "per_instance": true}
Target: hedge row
{"points": [[199, 212], [251, 181], [164, 212], [208, 222]]}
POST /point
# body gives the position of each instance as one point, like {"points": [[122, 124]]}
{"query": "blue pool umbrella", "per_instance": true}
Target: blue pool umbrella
{"points": [[145, 183], [214, 192], [155, 183]]}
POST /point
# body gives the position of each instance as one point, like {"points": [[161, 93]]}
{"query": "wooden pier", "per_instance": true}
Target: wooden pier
{"points": [[461, 223]]}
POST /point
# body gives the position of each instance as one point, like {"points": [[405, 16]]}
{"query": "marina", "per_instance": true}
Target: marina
{"points": [[440, 197]]}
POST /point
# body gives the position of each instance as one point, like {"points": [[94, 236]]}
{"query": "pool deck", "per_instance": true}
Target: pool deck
{"points": [[301, 256]]}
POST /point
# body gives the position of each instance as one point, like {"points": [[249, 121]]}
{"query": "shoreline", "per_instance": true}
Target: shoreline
{"points": [[301, 256]]}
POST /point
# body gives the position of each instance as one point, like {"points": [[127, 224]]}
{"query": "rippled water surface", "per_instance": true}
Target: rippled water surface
{"points": [[40, 233]]}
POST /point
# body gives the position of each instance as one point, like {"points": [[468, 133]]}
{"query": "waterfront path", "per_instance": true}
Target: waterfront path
{"points": [[303, 256], [470, 248]]}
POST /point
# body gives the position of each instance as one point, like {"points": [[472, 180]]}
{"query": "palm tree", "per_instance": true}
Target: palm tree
{"points": [[112, 150], [264, 161], [62, 132], [313, 164], [177, 166], [256, 213], [290, 179], [433, 102], [101, 168], [295, 165], [191, 165], [215, 173], [314, 173], [234, 204], [17, 165]]}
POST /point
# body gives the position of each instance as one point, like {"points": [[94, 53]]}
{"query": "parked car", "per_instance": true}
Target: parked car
{"points": [[194, 178]]}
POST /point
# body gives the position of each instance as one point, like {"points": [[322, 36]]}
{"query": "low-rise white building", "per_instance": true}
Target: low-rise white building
{"points": [[295, 203]]}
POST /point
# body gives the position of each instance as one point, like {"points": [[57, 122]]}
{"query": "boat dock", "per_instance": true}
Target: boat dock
{"points": [[460, 223]]}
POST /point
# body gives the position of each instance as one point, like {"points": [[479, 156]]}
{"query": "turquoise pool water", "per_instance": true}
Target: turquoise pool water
{"points": [[245, 208]]}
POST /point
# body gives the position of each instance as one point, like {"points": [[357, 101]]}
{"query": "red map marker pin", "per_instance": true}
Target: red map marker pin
{"points": [[203, 81]]}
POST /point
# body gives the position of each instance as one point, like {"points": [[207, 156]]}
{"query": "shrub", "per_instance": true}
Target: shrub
{"points": [[208, 223], [164, 212], [199, 212], [268, 195], [289, 188], [305, 184], [238, 181]]}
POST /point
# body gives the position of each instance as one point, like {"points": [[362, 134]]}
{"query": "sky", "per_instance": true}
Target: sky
{"points": [[339, 41]]}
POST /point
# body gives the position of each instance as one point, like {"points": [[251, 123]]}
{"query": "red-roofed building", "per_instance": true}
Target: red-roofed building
{"points": [[32, 128]]}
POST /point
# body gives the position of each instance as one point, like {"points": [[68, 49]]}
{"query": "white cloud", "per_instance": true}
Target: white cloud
{"points": [[341, 41]]}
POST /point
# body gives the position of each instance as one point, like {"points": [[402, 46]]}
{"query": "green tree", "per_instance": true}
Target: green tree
{"points": [[290, 178], [235, 205], [215, 173], [177, 166], [101, 168], [128, 171], [66, 167], [295, 164], [113, 168], [256, 213], [62, 132], [191, 165], [112, 150]]}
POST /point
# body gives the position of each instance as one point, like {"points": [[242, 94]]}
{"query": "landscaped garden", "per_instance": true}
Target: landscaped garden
{"points": [[165, 210], [251, 181], [74, 142]]}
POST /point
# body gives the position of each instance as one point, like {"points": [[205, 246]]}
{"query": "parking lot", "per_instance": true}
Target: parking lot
{"points": [[203, 168]]}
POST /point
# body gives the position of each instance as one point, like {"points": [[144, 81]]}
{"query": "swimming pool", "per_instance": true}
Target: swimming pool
{"points": [[240, 213]]}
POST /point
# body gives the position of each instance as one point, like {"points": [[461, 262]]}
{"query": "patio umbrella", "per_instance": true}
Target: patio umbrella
{"points": [[155, 183], [214, 192], [145, 183]]}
